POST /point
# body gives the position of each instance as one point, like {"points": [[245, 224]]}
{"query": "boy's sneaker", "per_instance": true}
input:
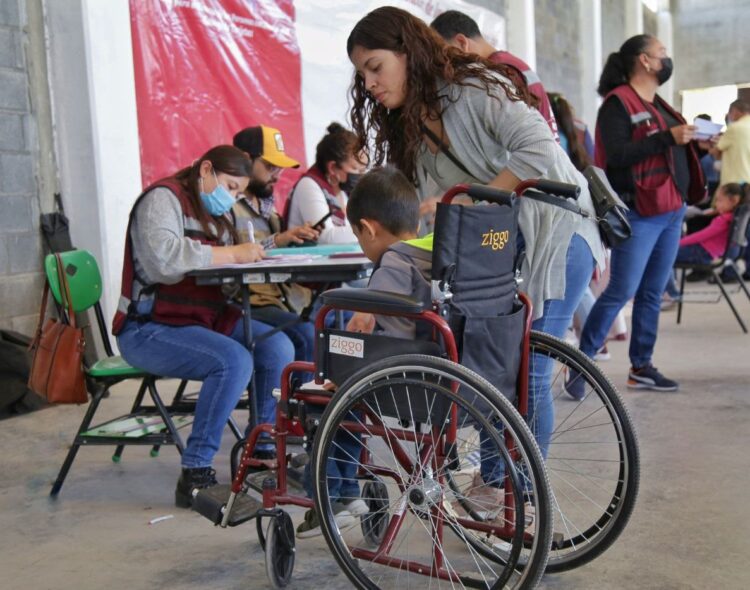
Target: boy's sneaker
{"points": [[575, 385], [485, 500], [355, 506], [602, 354], [310, 527], [649, 377], [190, 479]]}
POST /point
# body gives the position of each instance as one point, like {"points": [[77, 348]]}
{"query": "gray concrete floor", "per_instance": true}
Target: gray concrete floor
{"points": [[690, 529]]}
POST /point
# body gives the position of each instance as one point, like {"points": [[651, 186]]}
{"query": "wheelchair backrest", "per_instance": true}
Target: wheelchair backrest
{"points": [[474, 255]]}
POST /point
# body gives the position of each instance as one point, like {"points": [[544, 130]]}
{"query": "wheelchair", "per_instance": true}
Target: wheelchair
{"points": [[411, 433]]}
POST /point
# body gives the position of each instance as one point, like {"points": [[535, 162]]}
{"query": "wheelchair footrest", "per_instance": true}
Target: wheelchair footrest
{"points": [[211, 503]]}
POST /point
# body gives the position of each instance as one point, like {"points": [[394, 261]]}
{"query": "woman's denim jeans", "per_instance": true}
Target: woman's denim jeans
{"points": [[640, 268], [555, 319], [221, 362]]}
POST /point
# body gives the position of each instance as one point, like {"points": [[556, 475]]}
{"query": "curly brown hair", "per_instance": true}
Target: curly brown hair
{"points": [[396, 134]]}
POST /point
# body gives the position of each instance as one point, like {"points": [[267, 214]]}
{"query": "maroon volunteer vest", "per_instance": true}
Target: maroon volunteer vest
{"points": [[185, 303], [655, 188], [532, 81], [338, 214]]}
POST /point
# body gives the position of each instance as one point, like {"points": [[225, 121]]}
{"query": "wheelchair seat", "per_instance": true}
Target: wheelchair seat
{"points": [[372, 301]]}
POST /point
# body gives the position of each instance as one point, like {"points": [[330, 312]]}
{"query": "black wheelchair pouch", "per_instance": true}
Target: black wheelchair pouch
{"points": [[474, 263]]}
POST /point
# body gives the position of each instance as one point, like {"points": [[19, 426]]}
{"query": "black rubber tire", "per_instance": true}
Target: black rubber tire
{"points": [[577, 549], [359, 385], [280, 550], [375, 522]]}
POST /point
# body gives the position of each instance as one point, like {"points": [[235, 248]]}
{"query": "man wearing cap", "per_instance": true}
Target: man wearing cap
{"points": [[256, 219]]}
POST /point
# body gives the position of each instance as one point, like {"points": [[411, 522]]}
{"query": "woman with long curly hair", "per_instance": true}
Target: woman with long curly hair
{"points": [[409, 84]]}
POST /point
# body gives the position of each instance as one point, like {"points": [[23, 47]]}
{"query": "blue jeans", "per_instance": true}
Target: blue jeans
{"points": [[341, 467], [556, 317], [640, 268], [693, 254], [221, 362], [302, 334]]}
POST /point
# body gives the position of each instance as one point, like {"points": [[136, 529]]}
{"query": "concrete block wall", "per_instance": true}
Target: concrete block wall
{"points": [[21, 279], [613, 26], [558, 61], [711, 43]]}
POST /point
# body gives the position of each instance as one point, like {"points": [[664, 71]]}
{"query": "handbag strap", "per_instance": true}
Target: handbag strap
{"points": [[444, 148], [42, 315], [556, 202], [65, 290]]}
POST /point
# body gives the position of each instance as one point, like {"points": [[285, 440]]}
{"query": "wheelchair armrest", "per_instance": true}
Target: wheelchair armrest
{"points": [[372, 301]]}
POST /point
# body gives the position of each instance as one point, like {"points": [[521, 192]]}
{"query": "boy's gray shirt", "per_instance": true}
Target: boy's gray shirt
{"points": [[403, 269]]}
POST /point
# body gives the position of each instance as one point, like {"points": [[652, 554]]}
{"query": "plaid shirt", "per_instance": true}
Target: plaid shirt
{"points": [[265, 211]]}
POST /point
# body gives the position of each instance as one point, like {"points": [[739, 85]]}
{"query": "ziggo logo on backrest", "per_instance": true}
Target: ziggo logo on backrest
{"points": [[495, 239]]}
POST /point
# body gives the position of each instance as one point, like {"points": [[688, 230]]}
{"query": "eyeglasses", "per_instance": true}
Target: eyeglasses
{"points": [[270, 167]]}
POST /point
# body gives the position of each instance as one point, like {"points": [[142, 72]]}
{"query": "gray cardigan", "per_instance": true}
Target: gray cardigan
{"points": [[490, 133]]}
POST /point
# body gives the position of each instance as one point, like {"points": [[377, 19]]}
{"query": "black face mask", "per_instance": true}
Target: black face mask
{"points": [[351, 180], [665, 73], [262, 190]]}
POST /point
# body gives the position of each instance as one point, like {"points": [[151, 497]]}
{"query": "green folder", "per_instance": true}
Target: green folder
{"points": [[325, 250]]}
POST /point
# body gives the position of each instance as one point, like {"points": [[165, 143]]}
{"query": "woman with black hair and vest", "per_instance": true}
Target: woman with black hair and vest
{"points": [[652, 162], [169, 325], [319, 197]]}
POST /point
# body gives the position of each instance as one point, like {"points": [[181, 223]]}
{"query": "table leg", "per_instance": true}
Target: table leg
{"points": [[248, 330]]}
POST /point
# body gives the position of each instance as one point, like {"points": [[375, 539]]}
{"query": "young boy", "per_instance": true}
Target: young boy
{"points": [[383, 211]]}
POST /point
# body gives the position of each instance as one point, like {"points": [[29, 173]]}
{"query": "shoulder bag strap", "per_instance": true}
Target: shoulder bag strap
{"points": [[444, 148], [42, 315], [65, 291]]}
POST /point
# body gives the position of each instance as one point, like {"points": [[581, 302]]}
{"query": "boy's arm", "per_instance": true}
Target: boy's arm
{"points": [[385, 278]]}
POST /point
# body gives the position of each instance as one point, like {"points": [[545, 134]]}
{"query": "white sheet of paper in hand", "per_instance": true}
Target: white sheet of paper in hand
{"points": [[706, 129]]}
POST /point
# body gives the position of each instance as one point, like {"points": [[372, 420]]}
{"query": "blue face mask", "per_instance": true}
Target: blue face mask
{"points": [[218, 201]]}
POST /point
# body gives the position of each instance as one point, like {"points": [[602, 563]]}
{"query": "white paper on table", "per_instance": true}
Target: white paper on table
{"points": [[706, 129], [279, 259]]}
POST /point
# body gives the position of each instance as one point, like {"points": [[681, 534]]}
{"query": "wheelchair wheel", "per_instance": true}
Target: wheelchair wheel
{"points": [[593, 462], [397, 423], [280, 550], [375, 522]]}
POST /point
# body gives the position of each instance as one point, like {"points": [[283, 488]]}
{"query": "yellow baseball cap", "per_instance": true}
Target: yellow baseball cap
{"points": [[265, 142]]}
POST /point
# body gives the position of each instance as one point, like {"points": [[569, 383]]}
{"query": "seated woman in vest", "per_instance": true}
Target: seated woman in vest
{"points": [[322, 191], [168, 325]]}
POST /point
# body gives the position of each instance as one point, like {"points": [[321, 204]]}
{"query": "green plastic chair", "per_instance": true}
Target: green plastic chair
{"points": [[145, 425]]}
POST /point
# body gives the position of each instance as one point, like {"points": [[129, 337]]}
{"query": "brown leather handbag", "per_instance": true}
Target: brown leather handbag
{"points": [[57, 352]]}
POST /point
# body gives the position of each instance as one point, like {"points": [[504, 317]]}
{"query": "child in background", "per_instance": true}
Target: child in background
{"points": [[703, 246]]}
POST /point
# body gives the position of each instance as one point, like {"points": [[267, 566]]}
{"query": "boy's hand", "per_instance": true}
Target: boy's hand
{"points": [[361, 322]]}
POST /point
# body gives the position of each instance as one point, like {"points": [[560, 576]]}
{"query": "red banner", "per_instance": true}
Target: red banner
{"points": [[204, 69]]}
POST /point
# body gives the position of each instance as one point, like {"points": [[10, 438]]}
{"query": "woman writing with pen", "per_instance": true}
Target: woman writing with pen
{"points": [[170, 326]]}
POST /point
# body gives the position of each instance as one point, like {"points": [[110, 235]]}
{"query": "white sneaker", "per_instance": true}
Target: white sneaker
{"points": [[354, 506], [602, 354]]}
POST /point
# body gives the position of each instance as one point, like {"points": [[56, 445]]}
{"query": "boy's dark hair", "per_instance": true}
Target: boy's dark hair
{"points": [[452, 22], [385, 195]]}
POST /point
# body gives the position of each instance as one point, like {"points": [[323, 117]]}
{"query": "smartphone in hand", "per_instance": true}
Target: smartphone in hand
{"points": [[318, 225]]}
